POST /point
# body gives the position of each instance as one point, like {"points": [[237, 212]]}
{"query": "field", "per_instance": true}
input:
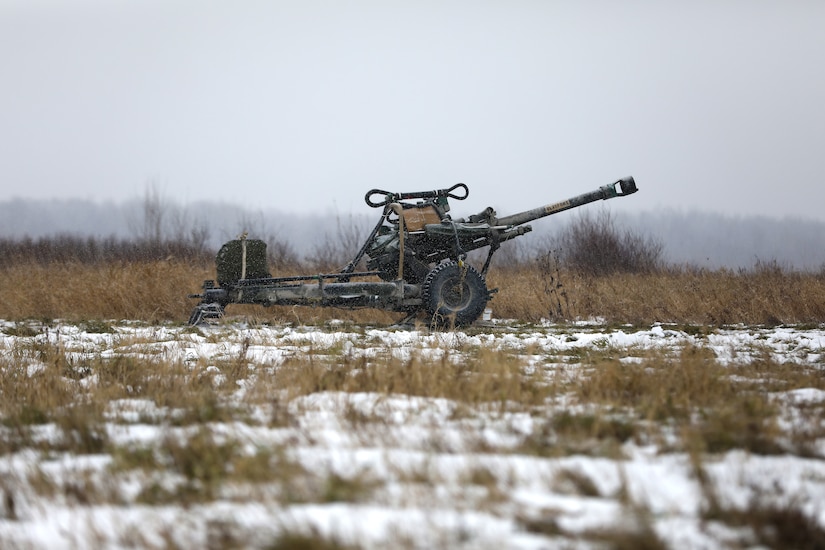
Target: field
{"points": [[674, 409], [126, 434], [155, 291]]}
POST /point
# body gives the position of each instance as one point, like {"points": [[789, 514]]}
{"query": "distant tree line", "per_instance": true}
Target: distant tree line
{"points": [[591, 241], [593, 246], [97, 250]]}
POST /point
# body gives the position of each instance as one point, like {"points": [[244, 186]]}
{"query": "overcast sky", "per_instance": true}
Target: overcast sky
{"points": [[303, 105]]}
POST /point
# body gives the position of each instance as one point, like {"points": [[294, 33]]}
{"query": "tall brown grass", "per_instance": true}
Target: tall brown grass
{"points": [[151, 291], [157, 291], [765, 295]]}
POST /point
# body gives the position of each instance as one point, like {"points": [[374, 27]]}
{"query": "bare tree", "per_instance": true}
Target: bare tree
{"points": [[336, 250], [154, 212]]}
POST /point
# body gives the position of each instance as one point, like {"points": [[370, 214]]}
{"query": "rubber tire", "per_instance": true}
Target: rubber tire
{"points": [[454, 295]]}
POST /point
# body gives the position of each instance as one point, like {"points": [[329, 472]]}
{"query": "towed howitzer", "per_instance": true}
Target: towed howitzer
{"points": [[417, 250]]}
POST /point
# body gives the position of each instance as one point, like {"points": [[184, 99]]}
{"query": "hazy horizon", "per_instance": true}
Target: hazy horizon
{"points": [[700, 238]]}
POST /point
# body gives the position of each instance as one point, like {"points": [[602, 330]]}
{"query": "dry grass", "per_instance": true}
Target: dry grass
{"points": [[681, 399], [156, 291], [151, 291], [714, 407], [765, 296], [483, 377], [687, 401]]}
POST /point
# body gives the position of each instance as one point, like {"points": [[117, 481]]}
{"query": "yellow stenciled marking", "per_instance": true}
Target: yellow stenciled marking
{"points": [[556, 207]]}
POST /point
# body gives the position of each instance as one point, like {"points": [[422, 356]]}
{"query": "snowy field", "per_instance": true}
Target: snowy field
{"points": [[385, 469]]}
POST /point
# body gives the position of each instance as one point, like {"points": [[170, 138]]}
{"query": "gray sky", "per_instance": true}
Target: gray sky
{"points": [[307, 104]]}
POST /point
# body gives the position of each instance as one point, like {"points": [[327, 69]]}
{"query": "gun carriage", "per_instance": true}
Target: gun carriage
{"points": [[416, 258]]}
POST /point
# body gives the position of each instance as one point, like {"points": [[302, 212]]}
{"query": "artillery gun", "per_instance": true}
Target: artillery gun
{"points": [[416, 251]]}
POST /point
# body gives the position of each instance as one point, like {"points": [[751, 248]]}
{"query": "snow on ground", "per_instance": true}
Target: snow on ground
{"points": [[418, 472]]}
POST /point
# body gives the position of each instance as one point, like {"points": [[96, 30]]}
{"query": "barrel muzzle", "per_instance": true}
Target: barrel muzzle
{"points": [[627, 185]]}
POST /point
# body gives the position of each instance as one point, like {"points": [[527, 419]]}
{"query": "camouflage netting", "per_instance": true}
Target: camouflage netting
{"points": [[229, 261]]}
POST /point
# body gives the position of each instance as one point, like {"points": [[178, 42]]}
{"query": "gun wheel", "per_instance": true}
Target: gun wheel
{"points": [[455, 295]]}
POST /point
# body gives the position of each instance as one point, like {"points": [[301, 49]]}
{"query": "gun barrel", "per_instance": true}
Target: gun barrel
{"points": [[620, 188]]}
